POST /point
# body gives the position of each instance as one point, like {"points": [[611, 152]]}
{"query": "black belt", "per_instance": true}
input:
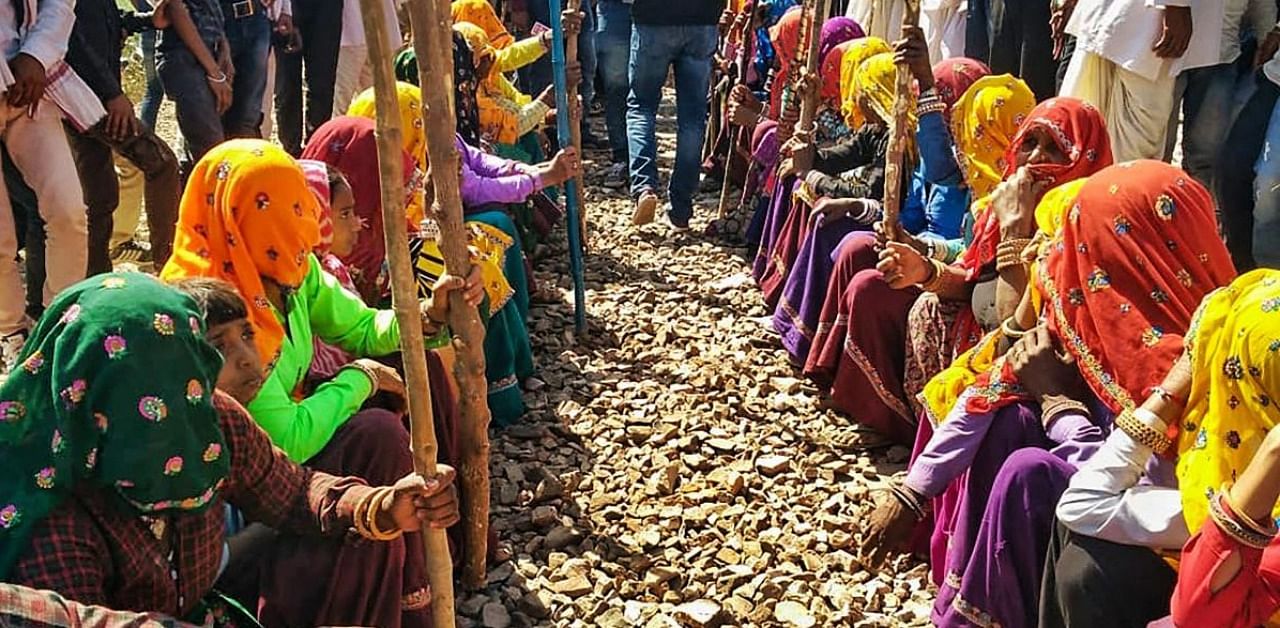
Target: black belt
{"points": [[242, 9]]}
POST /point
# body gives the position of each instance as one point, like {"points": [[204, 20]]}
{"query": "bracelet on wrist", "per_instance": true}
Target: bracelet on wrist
{"points": [[1058, 405], [1168, 397], [368, 372], [1144, 434], [1233, 522], [934, 282], [1010, 331], [221, 78]]}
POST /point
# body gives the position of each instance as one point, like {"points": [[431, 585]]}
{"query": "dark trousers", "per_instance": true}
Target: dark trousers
{"points": [[320, 24], [1022, 44], [1234, 184], [93, 152], [1090, 582]]}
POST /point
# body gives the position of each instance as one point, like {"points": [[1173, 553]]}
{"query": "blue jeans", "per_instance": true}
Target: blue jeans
{"points": [[153, 95], [613, 48], [250, 39], [655, 49], [1266, 197], [1244, 186], [1210, 99]]}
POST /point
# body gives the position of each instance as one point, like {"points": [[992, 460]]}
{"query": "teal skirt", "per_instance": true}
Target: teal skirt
{"points": [[508, 355]]}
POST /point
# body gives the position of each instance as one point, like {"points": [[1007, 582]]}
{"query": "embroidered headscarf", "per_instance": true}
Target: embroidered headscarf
{"points": [[876, 81], [317, 174], [773, 11], [465, 85], [836, 31], [860, 50], [829, 71], [348, 144], [112, 392], [413, 134], [984, 122], [1234, 343], [498, 101], [785, 36], [481, 13], [941, 393], [1080, 133], [1136, 254], [953, 77], [247, 213]]}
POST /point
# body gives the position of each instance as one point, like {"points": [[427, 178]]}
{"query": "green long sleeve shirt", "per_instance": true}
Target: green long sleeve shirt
{"points": [[322, 307]]}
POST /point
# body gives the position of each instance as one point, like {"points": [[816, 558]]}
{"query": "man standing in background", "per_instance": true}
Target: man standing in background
{"points": [[682, 37]]}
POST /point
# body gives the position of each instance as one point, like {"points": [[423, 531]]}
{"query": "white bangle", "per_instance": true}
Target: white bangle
{"points": [[219, 79]]}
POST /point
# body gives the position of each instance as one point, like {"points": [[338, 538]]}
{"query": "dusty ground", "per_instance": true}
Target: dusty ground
{"points": [[674, 470]]}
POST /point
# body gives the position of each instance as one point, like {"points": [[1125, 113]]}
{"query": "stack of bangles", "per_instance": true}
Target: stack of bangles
{"points": [[1238, 525], [1009, 253], [929, 102], [368, 372], [1138, 424], [365, 519], [937, 278], [1051, 409], [918, 506]]}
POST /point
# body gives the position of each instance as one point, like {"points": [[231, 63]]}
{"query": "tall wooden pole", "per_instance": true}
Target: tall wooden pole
{"points": [[433, 43], [809, 106], [898, 130], [735, 139], [564, 134], [791, 104], [404, 296], [575, 129]]}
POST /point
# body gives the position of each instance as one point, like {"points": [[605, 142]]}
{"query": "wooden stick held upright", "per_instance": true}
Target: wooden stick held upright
{"points": [[575, 129], [404, 295], [809, 106], [791, 105], [433, 43], [898, 135], [735, 139]]}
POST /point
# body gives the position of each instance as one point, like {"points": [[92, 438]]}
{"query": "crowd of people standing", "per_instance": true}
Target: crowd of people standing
{"points": [[1077, 339]]}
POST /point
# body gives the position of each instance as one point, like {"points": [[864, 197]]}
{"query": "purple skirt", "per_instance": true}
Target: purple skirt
{"points": [[805, 291], [774, 219], [1002, 526]]}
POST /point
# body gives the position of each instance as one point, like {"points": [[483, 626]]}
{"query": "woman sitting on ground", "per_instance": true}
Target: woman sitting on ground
{"points": [[1119, 284], [118, 471]]}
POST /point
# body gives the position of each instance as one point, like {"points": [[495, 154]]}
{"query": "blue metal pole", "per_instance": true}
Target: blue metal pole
{"points": [[563, 132]]}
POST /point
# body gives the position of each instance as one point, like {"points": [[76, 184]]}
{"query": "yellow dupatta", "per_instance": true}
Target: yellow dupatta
{"points": [[983, 123], [1234, 340], [859, 51], [942, 392]]}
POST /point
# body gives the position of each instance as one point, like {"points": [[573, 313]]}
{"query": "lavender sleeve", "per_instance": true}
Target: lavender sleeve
{"points": [[1076, 436], [481, 185], [949, 452]]}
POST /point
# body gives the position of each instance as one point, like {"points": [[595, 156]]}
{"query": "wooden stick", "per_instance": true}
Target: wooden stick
{"points": [[575, 129], [898, 135], [791, 106], [564, 134], [735, 140], [404, 295], [809, 105], [434, 47]]}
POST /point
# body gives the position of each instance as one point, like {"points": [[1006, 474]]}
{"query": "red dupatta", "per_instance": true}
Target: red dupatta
{"points": [[786, 38], [1080, 132], [952, 77], [1137, 253], [347, 143]]}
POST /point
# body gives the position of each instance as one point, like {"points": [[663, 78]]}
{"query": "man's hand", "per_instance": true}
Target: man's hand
{"points": [[913, 51], [1176, 34], [571, 22], [564, 166], [221, 88], [1267, 48], [121, 123], [28, 81]]}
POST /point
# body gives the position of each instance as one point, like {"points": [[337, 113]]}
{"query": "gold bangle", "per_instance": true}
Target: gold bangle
{"points": [[368, 372], [939, 276], [1059, 405], [1243, 518], [1009, 253], [1009, 332], [1141, 432], [1229, 524], [376, 533]]}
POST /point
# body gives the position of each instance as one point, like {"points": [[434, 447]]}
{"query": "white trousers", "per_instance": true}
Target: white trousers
{"points": [[354, 76], [38, 146], [1135, 108]]}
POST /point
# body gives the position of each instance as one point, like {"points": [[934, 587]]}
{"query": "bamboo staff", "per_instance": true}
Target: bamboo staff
{"points": [[575, 130], [898, 135], [735, 140], [571, 186], [433, 44], [405, 300]]}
